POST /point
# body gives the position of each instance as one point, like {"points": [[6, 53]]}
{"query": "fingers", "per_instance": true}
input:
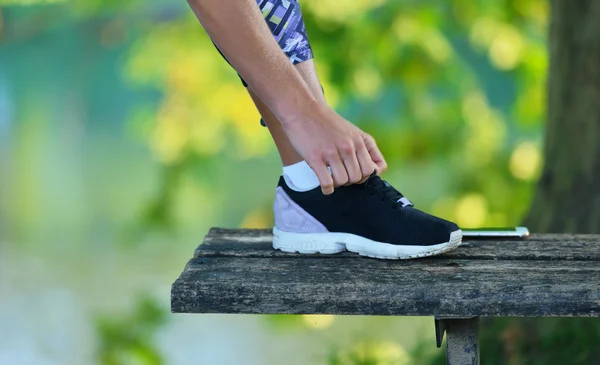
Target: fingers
{"points": [[351, 164], [322, 172], [347, 164], [338, 170], [367, 166], [375, 153]]}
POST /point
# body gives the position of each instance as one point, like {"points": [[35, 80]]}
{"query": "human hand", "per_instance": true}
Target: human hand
{"points": [[375, 153], [325, 139]]}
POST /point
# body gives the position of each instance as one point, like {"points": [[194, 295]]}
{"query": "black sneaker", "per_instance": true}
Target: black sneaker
{"points": [[372, 219]]}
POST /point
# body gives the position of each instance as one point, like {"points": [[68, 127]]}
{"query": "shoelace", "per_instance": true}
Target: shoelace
{"points": [[386, 190]]}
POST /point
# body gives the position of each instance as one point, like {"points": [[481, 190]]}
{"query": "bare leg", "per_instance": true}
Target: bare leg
{"points": [[287, 153]]}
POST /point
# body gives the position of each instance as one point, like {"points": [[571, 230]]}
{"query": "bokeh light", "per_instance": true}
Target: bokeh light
{"points": [[471, 210], [318, 321], [374, 352], [525, 161], [507, 48]]}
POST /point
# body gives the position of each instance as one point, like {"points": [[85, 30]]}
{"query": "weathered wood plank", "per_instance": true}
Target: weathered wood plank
{"points": [[257, 243], [441, 287]]}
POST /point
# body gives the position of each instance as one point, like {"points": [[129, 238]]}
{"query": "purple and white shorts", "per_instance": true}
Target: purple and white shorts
{"points": [[284, 19]]}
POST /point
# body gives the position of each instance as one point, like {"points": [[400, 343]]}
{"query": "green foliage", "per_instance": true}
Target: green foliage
{"points": [[450, 90], [425, 353], [545, 341], [128, 339], [285, 322], [86, 8], [530, 341], [370, 353], [453, 92]]}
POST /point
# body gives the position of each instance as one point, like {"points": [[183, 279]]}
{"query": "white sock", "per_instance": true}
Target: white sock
{"points": [[300, 177]]}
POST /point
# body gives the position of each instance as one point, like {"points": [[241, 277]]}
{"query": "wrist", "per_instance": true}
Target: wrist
{"points": [[301, 112]]}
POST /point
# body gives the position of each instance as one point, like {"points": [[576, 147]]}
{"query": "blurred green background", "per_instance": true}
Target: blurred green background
{"points": [[124, 137]]}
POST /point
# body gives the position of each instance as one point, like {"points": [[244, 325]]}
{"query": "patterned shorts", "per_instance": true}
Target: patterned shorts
{"points": [[284, 19]]}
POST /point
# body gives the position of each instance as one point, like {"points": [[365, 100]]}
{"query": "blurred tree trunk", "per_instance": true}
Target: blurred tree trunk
{"points": [[568, 193]]}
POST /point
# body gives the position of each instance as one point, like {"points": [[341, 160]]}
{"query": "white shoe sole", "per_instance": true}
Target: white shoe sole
{"points": [[331, 243]]}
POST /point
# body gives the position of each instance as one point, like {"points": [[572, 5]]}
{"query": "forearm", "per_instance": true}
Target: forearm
{"points": [[238, 28]]}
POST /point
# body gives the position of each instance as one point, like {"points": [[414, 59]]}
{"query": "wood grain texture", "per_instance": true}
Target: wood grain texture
{"points": [[237, 271], [257, 243]]}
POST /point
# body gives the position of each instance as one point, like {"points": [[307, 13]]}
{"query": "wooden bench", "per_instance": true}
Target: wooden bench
{"points": [[237, 271]]}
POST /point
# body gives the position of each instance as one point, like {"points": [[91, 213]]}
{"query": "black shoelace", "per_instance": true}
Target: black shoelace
{"points": [[386, 191]]}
